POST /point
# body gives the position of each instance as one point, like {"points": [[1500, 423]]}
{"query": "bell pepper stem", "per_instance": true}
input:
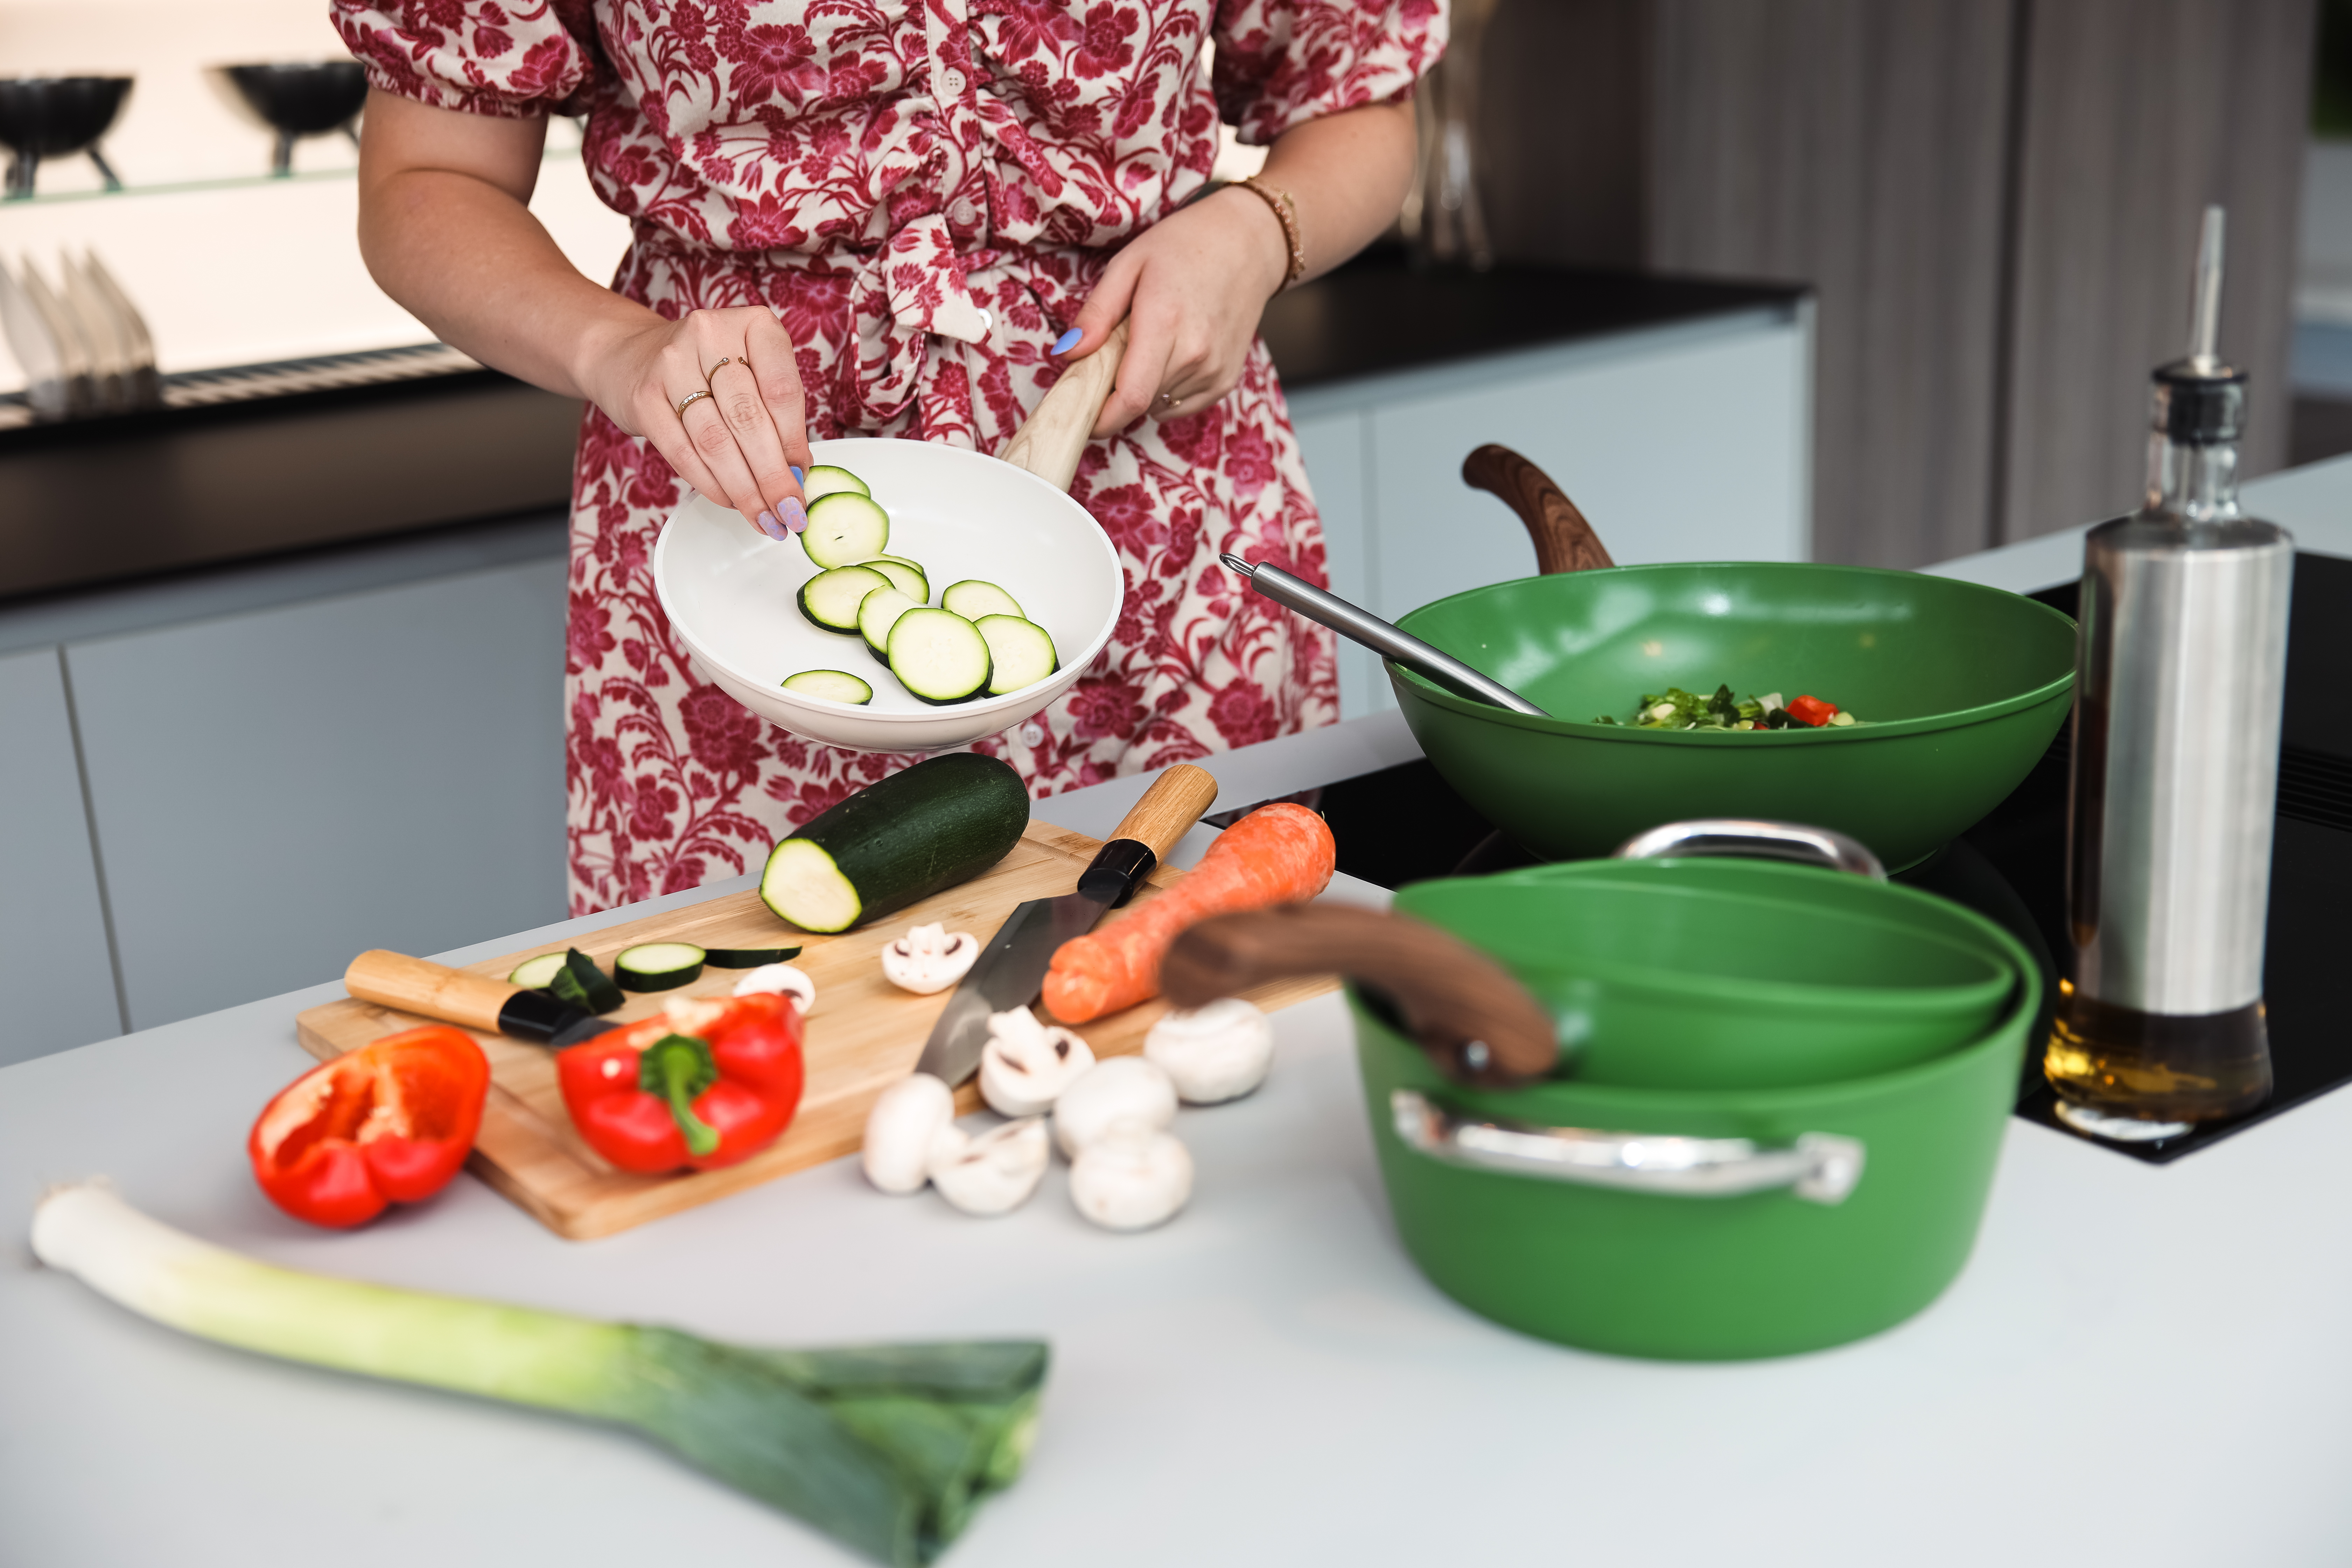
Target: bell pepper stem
{"points": [[677, 1067]]}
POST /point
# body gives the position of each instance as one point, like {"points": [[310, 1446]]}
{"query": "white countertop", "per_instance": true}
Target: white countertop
{"points": [[2141, 1364]]}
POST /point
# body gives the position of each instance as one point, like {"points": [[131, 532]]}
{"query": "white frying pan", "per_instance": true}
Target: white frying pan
{"points": [[731, 594]]}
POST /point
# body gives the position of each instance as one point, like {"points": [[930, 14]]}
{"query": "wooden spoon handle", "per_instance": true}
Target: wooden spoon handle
{"points": [[1049, 443], [1564, 540], [1477, 1024], [427, 989]]}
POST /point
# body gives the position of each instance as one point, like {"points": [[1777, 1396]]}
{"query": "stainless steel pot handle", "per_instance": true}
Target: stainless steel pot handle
{"points": [[1757, 838], [1818, 1167]]}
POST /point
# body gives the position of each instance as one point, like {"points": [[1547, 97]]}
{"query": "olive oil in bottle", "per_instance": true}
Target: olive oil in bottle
{"points": [[2180, 682]]}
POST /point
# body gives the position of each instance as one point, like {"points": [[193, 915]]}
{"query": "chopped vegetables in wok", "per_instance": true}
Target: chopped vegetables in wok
{"points": [[1675, 708]]}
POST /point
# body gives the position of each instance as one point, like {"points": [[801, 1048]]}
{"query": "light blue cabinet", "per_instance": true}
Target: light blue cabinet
{"points": [[55, 967], [1681, 443]]}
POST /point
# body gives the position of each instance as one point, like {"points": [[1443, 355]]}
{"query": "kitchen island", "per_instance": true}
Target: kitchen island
{"points": [[2141, 1363]]}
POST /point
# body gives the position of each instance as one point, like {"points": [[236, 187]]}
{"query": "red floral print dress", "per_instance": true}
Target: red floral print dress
{"points": [[924, 191]]}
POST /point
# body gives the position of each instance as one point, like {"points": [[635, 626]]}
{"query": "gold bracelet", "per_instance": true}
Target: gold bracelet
{"points": [[1285, 212]]}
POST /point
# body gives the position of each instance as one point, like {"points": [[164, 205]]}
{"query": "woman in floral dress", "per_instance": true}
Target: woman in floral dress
{"points": [[895, 217]]}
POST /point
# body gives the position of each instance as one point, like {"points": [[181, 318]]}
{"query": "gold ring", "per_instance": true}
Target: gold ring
{"points": [[1171, 399], [689, 401], [722, 365]]}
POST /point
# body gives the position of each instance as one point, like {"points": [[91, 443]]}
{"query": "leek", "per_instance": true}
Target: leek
{"points": [[888, 1447]]}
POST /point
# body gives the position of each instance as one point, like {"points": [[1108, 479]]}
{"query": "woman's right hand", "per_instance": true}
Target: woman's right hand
{"points": [[744, 444]]}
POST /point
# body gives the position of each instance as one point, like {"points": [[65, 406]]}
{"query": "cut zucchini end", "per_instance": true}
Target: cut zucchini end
{"points": [[802, 885], [830, 479], [1020, 653], [536, 974], [844, 528], [832, 685], [658, 965]]}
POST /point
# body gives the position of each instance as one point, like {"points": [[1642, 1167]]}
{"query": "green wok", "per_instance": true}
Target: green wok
{"points": [[1962, 688]]}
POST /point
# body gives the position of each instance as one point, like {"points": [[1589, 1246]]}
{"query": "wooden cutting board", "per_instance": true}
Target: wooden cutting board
{"points": [[863, 1035]]}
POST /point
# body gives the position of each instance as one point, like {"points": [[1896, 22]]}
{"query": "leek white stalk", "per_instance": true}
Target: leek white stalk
{"points": [[889, 1448]]}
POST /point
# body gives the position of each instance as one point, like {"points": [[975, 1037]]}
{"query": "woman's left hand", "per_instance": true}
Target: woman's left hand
{"points": [[1191, 289]]}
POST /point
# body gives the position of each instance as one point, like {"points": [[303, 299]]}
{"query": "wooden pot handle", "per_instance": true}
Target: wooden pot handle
{"points": [[1449, 997], [1048, 446], [1565, 542]]}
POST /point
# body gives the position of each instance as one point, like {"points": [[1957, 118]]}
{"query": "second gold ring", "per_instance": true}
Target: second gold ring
{"points": [[689, 401]]}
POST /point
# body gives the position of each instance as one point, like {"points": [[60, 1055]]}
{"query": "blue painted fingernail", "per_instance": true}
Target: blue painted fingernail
{"points": [[795, 515], [1068, 341], [798, 478], [772, 528]]}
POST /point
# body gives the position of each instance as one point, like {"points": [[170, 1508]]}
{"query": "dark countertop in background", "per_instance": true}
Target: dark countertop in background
{"points": [[104, 502]]}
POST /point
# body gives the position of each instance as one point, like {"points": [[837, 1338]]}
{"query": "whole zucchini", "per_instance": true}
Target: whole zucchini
{"points": [[943, 821]]}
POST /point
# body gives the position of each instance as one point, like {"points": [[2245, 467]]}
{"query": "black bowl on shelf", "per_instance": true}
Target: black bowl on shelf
{"points": [[56, 117], [297, 101]]}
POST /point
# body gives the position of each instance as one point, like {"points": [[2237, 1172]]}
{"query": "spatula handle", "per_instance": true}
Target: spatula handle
{"points": [[1049, 443], [1477, 1024], [427, 989]]}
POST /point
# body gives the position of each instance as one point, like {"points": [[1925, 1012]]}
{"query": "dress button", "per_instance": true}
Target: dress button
{"points": [[962, 214], [953, 82], [1032, 733]]}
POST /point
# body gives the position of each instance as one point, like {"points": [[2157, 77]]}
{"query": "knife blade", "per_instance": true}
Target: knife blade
{"points": [[1011, 970], [434, 991]]}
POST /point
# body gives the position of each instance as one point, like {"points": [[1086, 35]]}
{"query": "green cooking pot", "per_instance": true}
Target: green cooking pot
{"points": [[1962, 685], [1692, 1225], [1711, 973]]}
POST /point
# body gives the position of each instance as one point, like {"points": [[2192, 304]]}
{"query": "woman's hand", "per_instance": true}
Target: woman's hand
{"points": [[742, 437], [1193, 285], [1190, 287]]}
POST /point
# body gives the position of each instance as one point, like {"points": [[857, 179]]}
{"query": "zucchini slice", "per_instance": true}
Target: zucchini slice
{"points": [[747, 957], [943, 821], [536, 972], [658, 965], [832, 685], [1018, 652], [940, 657], [829, 599], [582, 984], [973, 598], [844, 528], [878, 613], [830, 479], [905, 576]]}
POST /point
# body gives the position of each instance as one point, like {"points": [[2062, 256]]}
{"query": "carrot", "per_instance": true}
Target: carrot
{"points": [[1278, 854]]}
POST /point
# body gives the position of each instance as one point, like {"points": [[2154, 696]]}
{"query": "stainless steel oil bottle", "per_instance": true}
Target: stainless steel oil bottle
{"points": [[2179, 683]]}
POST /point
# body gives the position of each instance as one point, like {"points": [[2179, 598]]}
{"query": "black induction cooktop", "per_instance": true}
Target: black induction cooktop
{"points": [[1405, 825]]}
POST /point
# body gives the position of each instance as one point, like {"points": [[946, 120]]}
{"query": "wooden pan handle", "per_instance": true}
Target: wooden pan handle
{"points": [[1049, 443], [1176, 800], [429, 990], [1564, 540], [1451, 998]]}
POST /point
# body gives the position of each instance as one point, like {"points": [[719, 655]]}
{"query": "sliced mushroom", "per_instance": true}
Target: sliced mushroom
{"points": [[692, 1014], [928, 958], [996, 1172], [1132, 1178], [780, 980], [908, 1121], [1025, 1065], [1122, 1091], [1215, 1053]]}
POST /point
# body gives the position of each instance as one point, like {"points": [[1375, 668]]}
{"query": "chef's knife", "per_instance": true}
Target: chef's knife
{"points": [[1011, 970], [433, 991]]}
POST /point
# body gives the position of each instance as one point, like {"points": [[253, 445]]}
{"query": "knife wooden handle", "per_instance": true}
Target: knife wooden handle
{"points": [[1176, 800], [1451, 997], [427, 989]]}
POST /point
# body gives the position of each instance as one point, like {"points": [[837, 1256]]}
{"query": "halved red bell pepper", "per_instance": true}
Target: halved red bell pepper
{"points": [[389, 1122], [1812, 710], [705, 1083]]}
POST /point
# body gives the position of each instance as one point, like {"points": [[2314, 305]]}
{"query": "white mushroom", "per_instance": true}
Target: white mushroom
{"points": [[1132, 1178], [928, 958], [1025, 1066], [1215, 1053], [692, 1014], [779, 980], [910, 1118], [996, 1172], [1122, 1091]]}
